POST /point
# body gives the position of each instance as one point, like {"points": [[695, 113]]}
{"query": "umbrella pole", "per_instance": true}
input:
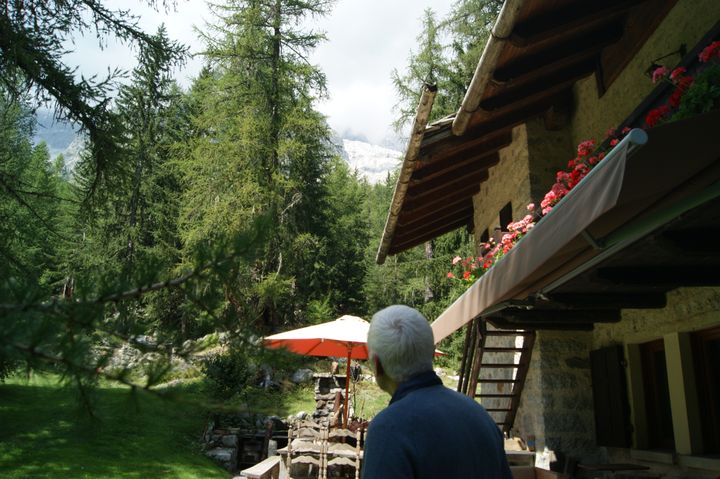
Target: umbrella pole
{"points": [[347, 389]]}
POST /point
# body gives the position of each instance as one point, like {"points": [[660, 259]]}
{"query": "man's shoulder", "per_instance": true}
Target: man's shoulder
{"points": [[446, 394], [388, 416]]}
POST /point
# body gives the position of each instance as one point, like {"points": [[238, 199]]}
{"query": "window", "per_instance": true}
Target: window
{"points": [[657, 396], [706, 352], [612, 421], [485, 236], [506, 216]]}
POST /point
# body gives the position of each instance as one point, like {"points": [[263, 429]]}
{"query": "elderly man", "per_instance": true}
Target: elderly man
{"points": [[428, 430]]}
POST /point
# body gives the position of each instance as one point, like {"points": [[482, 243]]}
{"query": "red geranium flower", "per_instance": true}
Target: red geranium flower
{"points": [[677, 72], [658, 73], [656, 114], [586, 147], [675, 98], [709, 52]]}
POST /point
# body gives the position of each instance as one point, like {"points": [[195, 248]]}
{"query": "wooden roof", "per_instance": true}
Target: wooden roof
{"points": [[552, 44]]}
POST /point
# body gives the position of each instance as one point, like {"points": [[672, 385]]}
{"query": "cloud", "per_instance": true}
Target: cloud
{"points": [[367, 39]]}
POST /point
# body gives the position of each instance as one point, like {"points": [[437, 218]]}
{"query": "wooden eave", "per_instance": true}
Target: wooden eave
{"points": [[552, 45], [680, 254]]}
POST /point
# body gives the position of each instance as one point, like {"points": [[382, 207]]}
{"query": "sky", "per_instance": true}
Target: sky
{"points": [[367, 39]]}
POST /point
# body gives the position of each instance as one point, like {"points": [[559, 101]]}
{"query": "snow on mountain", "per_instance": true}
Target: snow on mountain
{"points": [[60, 136], [373, 162]]}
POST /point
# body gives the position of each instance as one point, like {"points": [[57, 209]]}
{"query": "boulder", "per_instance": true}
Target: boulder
{"points": [[302, 376], [230, 440], [224, 455]]}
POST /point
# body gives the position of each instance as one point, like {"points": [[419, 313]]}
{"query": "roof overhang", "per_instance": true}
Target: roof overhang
{"points": [[642, 223], [537, 51]]}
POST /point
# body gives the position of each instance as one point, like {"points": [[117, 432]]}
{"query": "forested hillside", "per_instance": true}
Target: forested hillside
{"points": [[220, 207]]}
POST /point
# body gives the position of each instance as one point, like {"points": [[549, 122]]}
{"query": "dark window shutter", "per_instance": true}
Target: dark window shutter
{"points": [[612, 411]]}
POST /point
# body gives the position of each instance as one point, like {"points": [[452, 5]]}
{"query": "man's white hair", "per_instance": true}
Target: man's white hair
{"points": [[403, 340]]}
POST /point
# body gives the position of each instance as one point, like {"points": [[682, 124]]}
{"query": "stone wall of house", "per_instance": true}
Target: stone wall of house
{"points": [[685, 24], [550, 151], [556, 407], [509, 181], [530, 418], [526, 171]]}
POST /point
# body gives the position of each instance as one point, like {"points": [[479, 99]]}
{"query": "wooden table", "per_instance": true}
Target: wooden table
{"points": [[612, 468], [520, 458]]}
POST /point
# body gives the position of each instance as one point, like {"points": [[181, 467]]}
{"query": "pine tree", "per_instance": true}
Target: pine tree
{"points": [[429, 65], [468, 26], [34, 204], [130, 231], [257, 101], [448, 52], [33, 39]]}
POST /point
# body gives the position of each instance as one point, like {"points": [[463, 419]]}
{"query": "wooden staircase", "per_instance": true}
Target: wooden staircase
{"points": [[496, 362]]}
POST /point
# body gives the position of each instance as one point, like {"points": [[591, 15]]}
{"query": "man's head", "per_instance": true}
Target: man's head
{"points": [[400, 343]]}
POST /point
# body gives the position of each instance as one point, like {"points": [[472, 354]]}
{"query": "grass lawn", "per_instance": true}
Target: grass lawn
{"points": [[43, 434]]}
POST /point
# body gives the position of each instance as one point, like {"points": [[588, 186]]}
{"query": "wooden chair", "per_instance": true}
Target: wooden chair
{"points": [[305, 446], [338, 451], [307, 423]]}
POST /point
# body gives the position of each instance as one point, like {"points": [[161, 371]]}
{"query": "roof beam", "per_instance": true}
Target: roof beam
{"points": [[560, 316], [573, 17], [567, 52], [693, 241], [483, 160], [459, 169], [541, 87], [436, 210], [411, 153], [423, 191], [611, 300], [456, 196], [500, 322], [483, 123], [406, 243], [662, 276], [447, 217], [444, 144], [504, 24]]}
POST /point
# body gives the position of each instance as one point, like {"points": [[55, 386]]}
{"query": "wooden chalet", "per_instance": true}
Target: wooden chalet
{"points": [[598, 334]]}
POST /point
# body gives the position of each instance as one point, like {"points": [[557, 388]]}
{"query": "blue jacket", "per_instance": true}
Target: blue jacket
{"points": [[430, 431]]}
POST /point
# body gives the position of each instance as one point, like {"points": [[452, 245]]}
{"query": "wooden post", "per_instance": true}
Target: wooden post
{"points": [[347, 389]]}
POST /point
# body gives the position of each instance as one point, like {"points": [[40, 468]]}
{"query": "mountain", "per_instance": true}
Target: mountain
{"points": [[372, 162], [60, 137]]}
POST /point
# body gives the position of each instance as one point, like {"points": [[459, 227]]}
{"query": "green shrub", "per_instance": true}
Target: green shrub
{"points": [[229, 374], [7, 367]]}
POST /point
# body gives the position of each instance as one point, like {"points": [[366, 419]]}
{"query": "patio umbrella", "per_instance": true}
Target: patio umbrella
{"points": [[344, 337]]}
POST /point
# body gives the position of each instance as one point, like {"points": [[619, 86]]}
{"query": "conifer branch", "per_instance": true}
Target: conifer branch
{"points": [[14, 193]]}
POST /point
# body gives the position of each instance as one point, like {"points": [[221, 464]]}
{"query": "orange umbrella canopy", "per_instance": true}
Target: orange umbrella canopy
{"points": [[344, 337]]}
